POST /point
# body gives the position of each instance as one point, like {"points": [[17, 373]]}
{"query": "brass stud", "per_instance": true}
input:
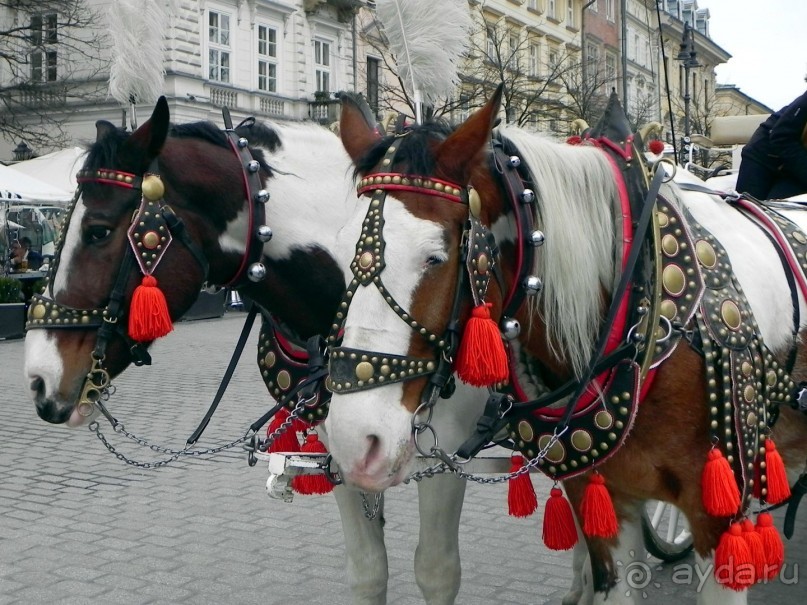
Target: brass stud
{"points": [[364, 370]]}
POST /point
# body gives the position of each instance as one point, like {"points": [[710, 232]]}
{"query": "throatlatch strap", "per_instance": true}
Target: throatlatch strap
{"points": [[225, 380]]}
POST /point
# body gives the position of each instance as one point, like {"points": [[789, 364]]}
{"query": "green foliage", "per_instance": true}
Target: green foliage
{"points": [[10, 290]]}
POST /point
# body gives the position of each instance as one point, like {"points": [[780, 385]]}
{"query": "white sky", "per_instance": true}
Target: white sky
{"points": [[767, 41]]}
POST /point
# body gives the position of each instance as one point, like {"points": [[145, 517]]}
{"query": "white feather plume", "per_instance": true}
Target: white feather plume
{"points": [[427, 39], [137, 29]]}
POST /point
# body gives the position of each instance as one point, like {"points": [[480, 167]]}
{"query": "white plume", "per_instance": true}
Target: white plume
{"points": [[427, 39], [137, 29]]}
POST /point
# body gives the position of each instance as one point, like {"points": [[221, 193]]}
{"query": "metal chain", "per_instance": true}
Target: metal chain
{"points": [[174, 455], [451, 464], [371, 512]]}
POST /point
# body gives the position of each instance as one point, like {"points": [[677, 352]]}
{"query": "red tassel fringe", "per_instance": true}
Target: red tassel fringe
{"points": [[285, 441], [312, 484], [771, 545], [481, 358], [559, 531], [756, 548], [777, 484], [721, 496], [597, 510], [148, 312], [734, 567], [521, 498]]}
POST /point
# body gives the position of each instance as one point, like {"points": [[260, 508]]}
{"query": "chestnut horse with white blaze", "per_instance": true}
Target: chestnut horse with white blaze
{"points": [[652, 333], [186, 201]]}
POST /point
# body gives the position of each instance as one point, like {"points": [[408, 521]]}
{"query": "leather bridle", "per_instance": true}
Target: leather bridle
{"points": [[153, 228], [353, 370]]}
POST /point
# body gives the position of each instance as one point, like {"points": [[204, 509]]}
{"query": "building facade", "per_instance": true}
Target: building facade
{"points": [[284, 59]]}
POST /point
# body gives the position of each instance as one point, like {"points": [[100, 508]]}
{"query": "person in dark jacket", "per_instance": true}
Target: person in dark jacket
{"points": [[774, 162]]}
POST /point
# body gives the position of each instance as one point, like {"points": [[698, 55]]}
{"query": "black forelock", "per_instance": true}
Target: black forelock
{"points": [[414, 149]]}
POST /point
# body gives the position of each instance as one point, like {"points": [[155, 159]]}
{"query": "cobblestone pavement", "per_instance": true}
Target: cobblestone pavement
{"points": [[79, 526]]}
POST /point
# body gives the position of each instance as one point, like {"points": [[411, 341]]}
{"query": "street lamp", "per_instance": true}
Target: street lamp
{"points": [[688, 58], [22, 152]]}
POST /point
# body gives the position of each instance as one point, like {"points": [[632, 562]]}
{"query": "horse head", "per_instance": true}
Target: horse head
{"points": [[159, 203], [405, 277]]}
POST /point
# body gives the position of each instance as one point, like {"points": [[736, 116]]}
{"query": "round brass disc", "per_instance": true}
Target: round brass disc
{"points": [[153, 188], [751, 419], [748, 393], [366, 260], [730, 313], [799, 237], [482, 264], [556, 453], [38, 312], [663, 219], [525, 431], [364, 370], [669, 245], [284, 380], [705, 253], [581, 440], [746, 368], [474, 203], [667, 308], [603, 420], [151, 240], [673, 280], [770, 378], [270, 359]]}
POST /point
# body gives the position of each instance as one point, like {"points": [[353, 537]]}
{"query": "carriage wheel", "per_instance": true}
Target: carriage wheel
{"points": [[666, 531]]}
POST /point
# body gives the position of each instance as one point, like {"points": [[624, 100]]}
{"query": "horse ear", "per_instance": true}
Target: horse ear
{"points": [[356, 129], [149, 139], [103, 129], [455, 155]]}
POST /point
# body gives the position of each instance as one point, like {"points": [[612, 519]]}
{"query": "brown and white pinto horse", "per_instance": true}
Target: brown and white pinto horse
{"points": [[312, 195], [405, 294]]}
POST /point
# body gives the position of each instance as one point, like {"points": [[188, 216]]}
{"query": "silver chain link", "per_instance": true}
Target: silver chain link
{"points": [[452, 464], [371, 511], [174, 455]]}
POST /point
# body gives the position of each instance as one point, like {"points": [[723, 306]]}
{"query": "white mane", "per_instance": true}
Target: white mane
{"points": [[575, 194]]}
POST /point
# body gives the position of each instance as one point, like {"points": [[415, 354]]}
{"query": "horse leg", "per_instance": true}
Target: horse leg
{"points": [[366, 555], [577, 594], [616, 571], [437, 557], [710, 592]]}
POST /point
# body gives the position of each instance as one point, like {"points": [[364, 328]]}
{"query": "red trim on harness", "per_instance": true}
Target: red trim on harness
{"points": [[376, 181], [774, 230], [251, 224], [591, 394], [106, 176]]}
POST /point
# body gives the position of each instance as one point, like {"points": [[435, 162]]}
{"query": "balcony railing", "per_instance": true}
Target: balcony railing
{"points": [[223, 97]]}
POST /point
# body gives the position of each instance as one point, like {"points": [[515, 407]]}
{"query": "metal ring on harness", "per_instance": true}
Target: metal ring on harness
{"points": [[672, 164]]}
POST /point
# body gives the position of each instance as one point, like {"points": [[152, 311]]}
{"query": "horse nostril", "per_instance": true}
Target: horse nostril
{"points": [[38, 386]]}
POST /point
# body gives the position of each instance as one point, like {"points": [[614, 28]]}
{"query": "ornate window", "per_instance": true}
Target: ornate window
{"points": [[219, 46], [44, 37], [322, 65], [267, 58]]}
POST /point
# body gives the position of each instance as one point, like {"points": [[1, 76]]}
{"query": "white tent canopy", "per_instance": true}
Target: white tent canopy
{"points": [[17, 187], [57, 169]]}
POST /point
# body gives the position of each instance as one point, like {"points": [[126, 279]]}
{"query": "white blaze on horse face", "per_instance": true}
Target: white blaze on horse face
{"points": [[42, 357], [370, 431]]}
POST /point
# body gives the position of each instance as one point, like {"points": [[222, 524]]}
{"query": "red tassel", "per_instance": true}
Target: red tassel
{"points": [[481, 358], [733, 564], [285, 441], [559, 531], [721, 496], [312, 484], [521, 498], [597, 510], [148, 312], [771, 545], [574, 140], [778, 486], [756, 548]]}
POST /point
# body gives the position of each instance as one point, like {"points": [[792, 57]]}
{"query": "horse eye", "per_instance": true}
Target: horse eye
{"points": [[435, 260], [95, 234]]}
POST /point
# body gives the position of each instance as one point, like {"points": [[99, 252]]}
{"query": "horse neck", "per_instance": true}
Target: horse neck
{"points": [[312, 197], [576, 195]]}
